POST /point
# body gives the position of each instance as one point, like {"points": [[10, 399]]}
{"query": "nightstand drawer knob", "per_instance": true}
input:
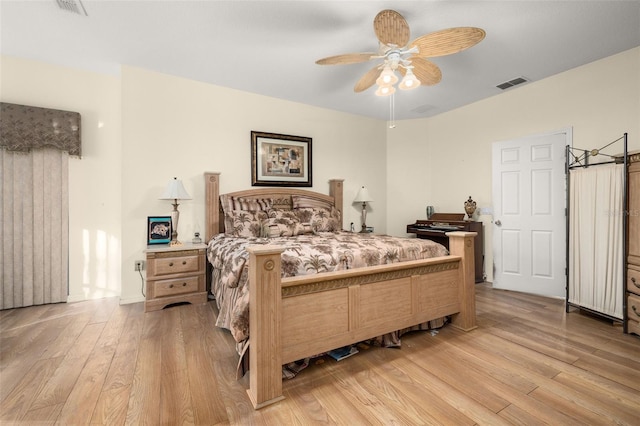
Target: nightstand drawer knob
{"points": [[633, 280], [184, 262], [183, 285], [170, 263]]}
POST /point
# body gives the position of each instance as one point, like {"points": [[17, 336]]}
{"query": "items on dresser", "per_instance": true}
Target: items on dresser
{"points": [[439, 224], [175, 274], [632, 318]]}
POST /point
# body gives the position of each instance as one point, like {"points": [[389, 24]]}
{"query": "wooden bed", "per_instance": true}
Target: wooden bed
{"points": [[343, 307]]}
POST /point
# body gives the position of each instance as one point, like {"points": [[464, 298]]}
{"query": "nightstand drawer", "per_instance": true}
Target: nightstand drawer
{"points": [[633, 281], [634, 327], [633, 307], [175, 275], [175, 265], [177, 286]]}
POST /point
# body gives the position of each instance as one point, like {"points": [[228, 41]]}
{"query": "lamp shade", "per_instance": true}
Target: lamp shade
{"points": [[410, 81], [387, 77], [363, 196], [175, 191], [385, 90]]}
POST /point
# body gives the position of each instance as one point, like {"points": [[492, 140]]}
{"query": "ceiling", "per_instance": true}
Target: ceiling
{"points": [[270, 47]]}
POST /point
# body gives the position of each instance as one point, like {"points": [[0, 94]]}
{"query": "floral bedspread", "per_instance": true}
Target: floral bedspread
{"points": [[304, 254]]}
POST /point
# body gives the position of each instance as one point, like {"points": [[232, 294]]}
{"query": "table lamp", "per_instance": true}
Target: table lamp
{"points": [[363, 197], [175, 191]]}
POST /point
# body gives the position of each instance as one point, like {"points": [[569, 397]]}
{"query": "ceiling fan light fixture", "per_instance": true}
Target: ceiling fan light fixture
{"points": [[385, 90], [402, 55], [409, 81], [387, 77]]}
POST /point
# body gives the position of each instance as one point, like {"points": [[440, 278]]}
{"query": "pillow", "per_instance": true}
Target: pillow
{"points": [[282, 215], [274, 228], [244, 223], [284, 223], [319, 219], [230, 204], [302, 201], [226, 204], [251, 204]]}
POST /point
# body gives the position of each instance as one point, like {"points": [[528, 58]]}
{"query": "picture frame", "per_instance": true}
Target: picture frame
{"points": [[280, 160], [159, 230]]}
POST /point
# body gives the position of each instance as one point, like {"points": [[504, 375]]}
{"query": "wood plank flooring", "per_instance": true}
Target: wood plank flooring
{"points": [[529, 362]]}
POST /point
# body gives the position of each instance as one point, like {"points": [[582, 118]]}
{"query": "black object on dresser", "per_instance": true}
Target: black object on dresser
{"points": [[439, 224]]}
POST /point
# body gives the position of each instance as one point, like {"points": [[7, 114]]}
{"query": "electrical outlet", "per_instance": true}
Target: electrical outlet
{"points": [[139, 265]]}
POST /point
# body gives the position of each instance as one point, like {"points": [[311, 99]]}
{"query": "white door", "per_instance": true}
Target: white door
{"points": [[529, 224]]}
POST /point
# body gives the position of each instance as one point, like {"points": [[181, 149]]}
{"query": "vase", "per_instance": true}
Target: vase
{"points": [[430, 211], [470, 208]]}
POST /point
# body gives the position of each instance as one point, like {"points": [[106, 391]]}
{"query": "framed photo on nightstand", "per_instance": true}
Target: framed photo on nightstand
{"points": [[158, 229]]}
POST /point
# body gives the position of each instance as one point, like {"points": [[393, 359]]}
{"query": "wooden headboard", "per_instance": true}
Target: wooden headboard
{"points": [[214, 222]]}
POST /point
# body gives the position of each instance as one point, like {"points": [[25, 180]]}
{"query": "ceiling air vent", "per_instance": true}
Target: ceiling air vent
{"points": [[511, 83], [422, 109], [73, 6]]}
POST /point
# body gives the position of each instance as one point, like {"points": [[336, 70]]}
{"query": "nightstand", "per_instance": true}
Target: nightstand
{"points": [[175, 274]]}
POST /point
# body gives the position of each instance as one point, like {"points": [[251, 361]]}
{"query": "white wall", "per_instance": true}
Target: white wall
{"points": [[446, 158], [94, 180]]}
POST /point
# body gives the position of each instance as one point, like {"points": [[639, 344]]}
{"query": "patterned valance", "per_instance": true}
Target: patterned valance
{"points": [[23, 128]]}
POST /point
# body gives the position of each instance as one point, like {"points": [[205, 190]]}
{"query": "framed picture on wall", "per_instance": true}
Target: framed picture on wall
{"points": [[159, 229], [280, 160]]}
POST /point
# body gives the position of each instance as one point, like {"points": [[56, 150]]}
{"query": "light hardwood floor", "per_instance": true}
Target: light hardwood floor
{"points": [[96, 362]]}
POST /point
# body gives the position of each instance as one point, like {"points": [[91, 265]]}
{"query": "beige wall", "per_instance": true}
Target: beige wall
{"points": [[179, 127], [598, 101], [94, 180], [142, 128]]}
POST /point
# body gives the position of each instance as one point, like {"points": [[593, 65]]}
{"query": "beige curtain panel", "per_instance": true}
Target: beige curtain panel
{"points": [[596, 238], [35, 144], [35, 228]]}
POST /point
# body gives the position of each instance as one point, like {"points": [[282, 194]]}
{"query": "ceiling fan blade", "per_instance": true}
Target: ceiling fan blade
{"points": [[447, 42], [367, 80], [348, 58], [426, 71], [391, 28]]}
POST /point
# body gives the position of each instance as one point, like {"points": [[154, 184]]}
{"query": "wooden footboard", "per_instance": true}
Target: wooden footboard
{"points": [[293, 318], [297, 317]]}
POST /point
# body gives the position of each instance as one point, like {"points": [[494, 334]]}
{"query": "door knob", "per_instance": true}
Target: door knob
{"points": [[498, 223]]}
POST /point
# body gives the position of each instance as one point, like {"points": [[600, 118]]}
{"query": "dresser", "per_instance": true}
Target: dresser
{"points": [[632, 317], [439, 224], [175, 274]]}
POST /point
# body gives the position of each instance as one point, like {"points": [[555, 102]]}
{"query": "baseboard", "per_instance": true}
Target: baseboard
{"points": [[73, 298], [136, 299]]}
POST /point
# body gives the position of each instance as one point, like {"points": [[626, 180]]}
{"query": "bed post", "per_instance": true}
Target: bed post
{"points": [[265, 311], [461, 244], [212, 205], [335, 190], [211, 216]]}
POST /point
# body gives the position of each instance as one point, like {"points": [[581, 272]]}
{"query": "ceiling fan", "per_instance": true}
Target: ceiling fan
{"points": [[409, 59]]}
